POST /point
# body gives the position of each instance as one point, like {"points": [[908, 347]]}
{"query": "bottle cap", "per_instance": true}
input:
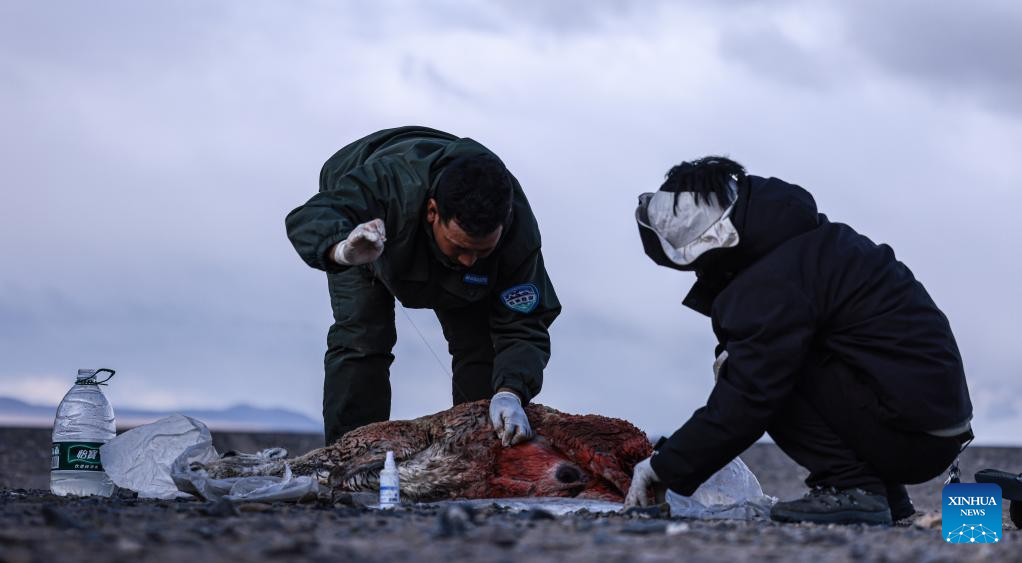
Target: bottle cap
{"points": [[389, 464], [88, 376]]}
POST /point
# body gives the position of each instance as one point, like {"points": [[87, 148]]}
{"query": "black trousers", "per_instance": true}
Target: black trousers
{"points": [[833, 426], [356, 386]]}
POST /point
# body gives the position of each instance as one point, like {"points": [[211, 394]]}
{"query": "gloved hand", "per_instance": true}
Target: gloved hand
{"points": [[363, 245], [508, 418], [644, 478]]}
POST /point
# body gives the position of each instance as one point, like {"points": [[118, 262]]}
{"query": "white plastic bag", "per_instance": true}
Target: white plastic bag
{"points": [[733, 493], [190, 476], [140, 459], [165, 459]]}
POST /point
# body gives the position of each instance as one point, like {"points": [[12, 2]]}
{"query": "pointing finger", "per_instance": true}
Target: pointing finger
{"points": [[630, 500], [636, 494], [506, 438], [521, 435], [378, 227]]}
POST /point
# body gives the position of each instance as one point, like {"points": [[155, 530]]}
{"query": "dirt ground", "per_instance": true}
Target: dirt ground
{"points": [[37, 526]]}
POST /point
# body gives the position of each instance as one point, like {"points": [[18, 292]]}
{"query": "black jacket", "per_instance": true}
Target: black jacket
{"points": [[796, 290], [391, 175]]}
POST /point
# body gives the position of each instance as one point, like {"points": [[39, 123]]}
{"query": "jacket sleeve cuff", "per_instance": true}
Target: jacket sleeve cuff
{"points": [[665, 466], [517, 385], [326, 261]]}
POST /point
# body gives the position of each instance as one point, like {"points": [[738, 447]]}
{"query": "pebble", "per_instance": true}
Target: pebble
{"points": [[657, 511], [128, 546], [504, 536], [603, 538], [676, 528], [644, 528], [220, 509], [20, 555], [583, 526], [534, 514], [291, 546], [8, 538], [59, 519], [928, 521], [454, 521]]}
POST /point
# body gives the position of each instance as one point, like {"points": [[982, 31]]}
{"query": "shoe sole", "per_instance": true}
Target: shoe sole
{"points": [[902, 512], [846, 517], [1010, 483]]}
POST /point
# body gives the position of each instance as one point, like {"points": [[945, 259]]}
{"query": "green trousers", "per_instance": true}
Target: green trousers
{"points": [[356, 388]]}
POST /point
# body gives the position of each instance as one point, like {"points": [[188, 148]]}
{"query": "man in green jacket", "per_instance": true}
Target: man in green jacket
{"points": [[438, 222]]}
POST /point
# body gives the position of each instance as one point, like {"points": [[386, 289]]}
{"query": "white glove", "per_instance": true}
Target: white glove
{"points": [[642, 479], [363, 245], [508, 418]]}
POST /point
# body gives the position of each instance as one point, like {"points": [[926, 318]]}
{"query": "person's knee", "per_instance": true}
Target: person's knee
{"points": [[360, 341], [480, 355], [472, 382], [363, 313]]}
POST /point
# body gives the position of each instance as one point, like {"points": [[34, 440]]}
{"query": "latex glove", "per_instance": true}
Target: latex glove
{"points": [[508, 418], [644, 478], [363, 245]]}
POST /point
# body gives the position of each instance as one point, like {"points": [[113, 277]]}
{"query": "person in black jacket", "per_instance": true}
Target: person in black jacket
{"points": [[826, 342], [435, 221]]}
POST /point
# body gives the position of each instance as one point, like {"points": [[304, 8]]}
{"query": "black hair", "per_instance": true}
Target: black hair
{"points": [[477, 191], [705, 176]]}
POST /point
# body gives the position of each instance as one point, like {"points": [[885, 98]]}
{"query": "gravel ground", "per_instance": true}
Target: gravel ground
{"points": [[37, 526]]}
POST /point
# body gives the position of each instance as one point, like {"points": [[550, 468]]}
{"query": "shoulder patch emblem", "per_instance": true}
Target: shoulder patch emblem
{"points": [[522, 298]]}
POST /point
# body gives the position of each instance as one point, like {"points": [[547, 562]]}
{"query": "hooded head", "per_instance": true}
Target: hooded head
{"points": [[691, 213], [723, 221]]}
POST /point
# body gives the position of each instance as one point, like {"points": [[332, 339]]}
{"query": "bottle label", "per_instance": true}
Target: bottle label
{"points": [[389, 496], [75, 456]]}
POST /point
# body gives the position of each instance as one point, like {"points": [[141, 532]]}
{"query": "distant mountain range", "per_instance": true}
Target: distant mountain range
{"points": [[14, 412]]}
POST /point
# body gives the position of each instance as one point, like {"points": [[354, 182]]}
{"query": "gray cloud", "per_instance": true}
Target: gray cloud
{"points": [[765, 50], [955, 49]]}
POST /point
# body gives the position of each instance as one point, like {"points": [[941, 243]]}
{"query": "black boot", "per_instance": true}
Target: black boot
{"points": [[827, 505], [900, 503]]}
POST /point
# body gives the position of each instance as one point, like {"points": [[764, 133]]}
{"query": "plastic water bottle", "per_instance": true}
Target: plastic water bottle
{"points": [[85, 421], [390, 485]]}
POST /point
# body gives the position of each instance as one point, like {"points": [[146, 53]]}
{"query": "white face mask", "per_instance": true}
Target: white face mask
{"points": [[686, 228]]}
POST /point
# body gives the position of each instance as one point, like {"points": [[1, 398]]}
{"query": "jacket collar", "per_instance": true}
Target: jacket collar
{"points": [[704, 291], [768, 213]]}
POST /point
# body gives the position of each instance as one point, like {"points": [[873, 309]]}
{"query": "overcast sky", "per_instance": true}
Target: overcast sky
{"points": [[150, 151]]}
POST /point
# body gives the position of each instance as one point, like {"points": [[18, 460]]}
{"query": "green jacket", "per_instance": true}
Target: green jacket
{"points": [[391, 175]]}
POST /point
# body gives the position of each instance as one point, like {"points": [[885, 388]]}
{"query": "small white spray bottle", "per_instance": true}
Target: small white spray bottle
{"points": [[390, 485]]}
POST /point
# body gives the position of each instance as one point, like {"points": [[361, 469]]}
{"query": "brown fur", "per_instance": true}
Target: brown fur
{"points": [[456, 454]]}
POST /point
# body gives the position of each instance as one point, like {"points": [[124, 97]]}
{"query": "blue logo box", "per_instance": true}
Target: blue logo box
{"points": [[971, 513]]}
